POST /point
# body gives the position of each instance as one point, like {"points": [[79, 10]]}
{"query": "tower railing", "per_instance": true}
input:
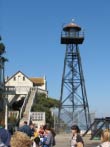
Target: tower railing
{"points": [[72, 35]]}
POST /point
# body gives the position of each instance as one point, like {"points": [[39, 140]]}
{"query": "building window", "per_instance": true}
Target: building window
{"points": [[23, 78], [14, 78]]}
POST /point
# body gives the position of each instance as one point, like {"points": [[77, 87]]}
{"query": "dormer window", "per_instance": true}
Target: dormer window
{"points": [[23, 78], [14, 78]]}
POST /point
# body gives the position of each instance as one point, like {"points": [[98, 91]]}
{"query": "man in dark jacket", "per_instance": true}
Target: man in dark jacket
{"points": [[26, 129]]}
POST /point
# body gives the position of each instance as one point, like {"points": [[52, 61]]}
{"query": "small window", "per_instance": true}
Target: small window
{"points": [[23, 78], [14, 78]]}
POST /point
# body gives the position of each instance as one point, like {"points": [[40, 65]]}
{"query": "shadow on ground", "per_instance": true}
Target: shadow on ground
{"points": [[91, 145]]}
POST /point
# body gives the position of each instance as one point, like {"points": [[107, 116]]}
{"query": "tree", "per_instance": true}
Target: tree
{"points": [[44, 104]]}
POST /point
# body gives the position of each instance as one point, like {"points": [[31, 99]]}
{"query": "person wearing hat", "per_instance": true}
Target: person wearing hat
{"points": [[76, 140]]}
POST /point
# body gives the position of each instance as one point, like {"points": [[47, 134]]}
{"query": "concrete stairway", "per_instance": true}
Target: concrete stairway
{"points": [[30, 99]]}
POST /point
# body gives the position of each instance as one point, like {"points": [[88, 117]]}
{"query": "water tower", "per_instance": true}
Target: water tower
{"points": [[74, 106]]}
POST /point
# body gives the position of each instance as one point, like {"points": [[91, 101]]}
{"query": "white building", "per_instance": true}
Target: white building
{"points": [[21, 84]]}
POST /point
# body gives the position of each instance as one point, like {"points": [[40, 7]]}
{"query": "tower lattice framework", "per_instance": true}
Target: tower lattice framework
{"points": [[74, 106]]}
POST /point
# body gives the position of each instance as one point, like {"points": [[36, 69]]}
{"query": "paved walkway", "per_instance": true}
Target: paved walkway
{"points": [[63, 140]]}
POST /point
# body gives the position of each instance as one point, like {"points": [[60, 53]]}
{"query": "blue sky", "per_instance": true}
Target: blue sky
{"points": [[31, 31]]}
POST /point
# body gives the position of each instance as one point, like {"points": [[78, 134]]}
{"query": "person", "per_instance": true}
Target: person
{"points": [[2, 144], [36, 132], [105, 138], [24, 127], [32, 127], [20, 139], [41, 131], [48, 136], [5, 136], [54, 134], [36, 142], [76, 140]]}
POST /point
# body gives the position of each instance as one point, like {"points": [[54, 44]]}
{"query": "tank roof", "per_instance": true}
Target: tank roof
{"points": [[70, 26]]}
